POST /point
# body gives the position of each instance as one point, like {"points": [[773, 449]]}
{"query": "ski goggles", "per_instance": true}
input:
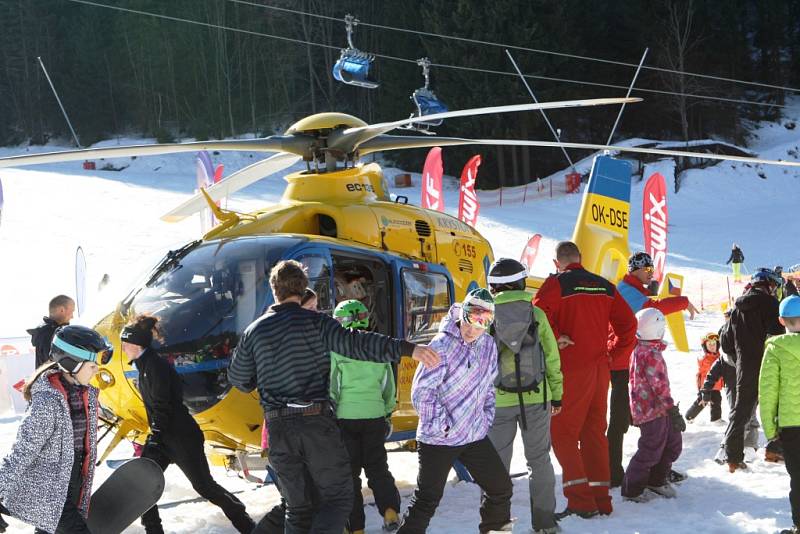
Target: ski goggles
{"points": [[711, 337], [648, 269], [479, 318], [102, 357], [353, 317]]}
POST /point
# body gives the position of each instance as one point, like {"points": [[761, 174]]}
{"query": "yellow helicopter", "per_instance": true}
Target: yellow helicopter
{"points": [[407, 264]]}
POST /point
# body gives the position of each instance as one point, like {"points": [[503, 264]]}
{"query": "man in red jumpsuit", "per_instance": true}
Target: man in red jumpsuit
{"points": [[581, 306]]}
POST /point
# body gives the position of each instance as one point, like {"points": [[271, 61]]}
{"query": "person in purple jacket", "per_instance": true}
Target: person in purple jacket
{"points": [[455, 402]]}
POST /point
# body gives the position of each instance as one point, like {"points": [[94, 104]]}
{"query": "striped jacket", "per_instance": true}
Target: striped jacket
{"points": [[285, 353], [35, 476], [456, 399]]}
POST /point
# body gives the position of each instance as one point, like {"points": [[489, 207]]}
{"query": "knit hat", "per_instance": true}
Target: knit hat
{"points": [[639, 260], [137, 336]]}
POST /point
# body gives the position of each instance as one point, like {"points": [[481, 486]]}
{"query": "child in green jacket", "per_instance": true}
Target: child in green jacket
{"points": [[364, 396], [779, 397]]}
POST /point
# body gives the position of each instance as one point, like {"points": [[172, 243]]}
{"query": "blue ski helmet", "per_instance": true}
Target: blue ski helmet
{"points": [[790, 307], [766, 276]]}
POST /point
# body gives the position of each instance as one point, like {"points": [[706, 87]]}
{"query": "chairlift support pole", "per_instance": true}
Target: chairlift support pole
{"points": [[630, 88], [71, 129], [536, 101]]}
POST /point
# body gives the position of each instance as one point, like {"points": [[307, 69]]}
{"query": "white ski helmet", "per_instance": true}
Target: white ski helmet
{"points": [[651, 324]]}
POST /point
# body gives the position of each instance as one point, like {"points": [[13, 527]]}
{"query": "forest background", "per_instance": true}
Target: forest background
{"points": [[121, 73]]}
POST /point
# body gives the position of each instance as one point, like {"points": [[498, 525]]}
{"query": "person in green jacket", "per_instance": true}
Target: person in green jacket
{"points": [[364, 396], [528, 393], [779, 397]]}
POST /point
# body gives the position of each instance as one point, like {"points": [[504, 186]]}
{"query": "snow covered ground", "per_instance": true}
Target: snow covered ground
{"points": [[50, 210]]}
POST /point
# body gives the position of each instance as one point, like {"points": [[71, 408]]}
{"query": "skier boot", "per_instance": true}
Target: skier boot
{"points": [[737, 466], [391, 521], [569, 511], [773, 456], [675, 477], [646, 496], [666, 490], [794, 530]]}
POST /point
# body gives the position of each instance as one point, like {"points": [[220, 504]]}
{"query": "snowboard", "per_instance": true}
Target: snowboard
{"points": [[129, 492]]}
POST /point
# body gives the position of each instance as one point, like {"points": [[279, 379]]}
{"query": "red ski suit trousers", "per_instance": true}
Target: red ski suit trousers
{"points": [[579, 438], [583, 306]]}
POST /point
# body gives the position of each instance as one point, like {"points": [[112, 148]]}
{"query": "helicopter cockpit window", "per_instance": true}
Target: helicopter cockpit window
{"points": [[204, 301], [427, 301]]}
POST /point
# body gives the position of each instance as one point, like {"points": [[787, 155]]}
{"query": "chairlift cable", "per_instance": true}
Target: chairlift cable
{"points": [[521, 48], [414, 62]]}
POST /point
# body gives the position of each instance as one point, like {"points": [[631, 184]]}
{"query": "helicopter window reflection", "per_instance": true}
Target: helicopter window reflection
{"points": [[365, 279], [204, 302], [319, 279], [427, 301]]}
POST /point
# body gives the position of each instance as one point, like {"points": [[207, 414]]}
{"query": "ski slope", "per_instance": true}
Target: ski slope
{"points": [[114, 216]]}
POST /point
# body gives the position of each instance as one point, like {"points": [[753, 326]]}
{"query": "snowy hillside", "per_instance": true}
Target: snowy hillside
{"points": [[50, 210]]}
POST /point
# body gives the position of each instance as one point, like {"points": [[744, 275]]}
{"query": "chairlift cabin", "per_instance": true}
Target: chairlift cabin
{"points": [[426, 101], [353, 65]]}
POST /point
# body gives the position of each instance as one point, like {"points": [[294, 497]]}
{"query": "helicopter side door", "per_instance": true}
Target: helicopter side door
{"points": [[424, 295]]}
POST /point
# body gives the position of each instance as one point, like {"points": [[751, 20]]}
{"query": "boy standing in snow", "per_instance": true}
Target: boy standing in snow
{"points": [[364, 396], [456, 402], [779, 399], [528, 386], [654, 412], [59, 313], [710, 344]]}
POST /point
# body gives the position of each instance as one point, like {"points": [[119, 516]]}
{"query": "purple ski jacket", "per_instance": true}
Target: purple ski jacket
{"points": [[455, 400], [649, 384]]}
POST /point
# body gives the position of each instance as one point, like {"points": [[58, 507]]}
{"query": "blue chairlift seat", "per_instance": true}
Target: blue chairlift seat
{"points": [[427, 104], [352, 68]]}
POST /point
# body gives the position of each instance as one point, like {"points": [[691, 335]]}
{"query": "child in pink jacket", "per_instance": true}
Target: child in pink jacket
{"points": [[654, 412]]}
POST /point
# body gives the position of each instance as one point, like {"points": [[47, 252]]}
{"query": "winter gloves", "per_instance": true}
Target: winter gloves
{"points": [[676, 419], [389, 428]]}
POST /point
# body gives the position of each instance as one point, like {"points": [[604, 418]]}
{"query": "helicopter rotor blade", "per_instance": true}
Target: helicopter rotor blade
{"points": [[278, 143], [231, 184], [639, 150], [398, 142], [350, 139]]}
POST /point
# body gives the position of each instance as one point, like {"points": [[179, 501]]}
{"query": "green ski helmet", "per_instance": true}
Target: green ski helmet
{"points": [[352, 314]]}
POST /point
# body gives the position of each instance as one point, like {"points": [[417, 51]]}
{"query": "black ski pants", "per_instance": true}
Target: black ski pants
{"points": [[187, 453], [618, 423], [307, 450], [791, 457], [364, 440], [716, 407], [746, 402], [485, 466], [72, 520]]}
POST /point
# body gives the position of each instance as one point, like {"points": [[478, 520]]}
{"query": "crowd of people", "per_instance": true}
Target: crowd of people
{"points": [[505, 361]]}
